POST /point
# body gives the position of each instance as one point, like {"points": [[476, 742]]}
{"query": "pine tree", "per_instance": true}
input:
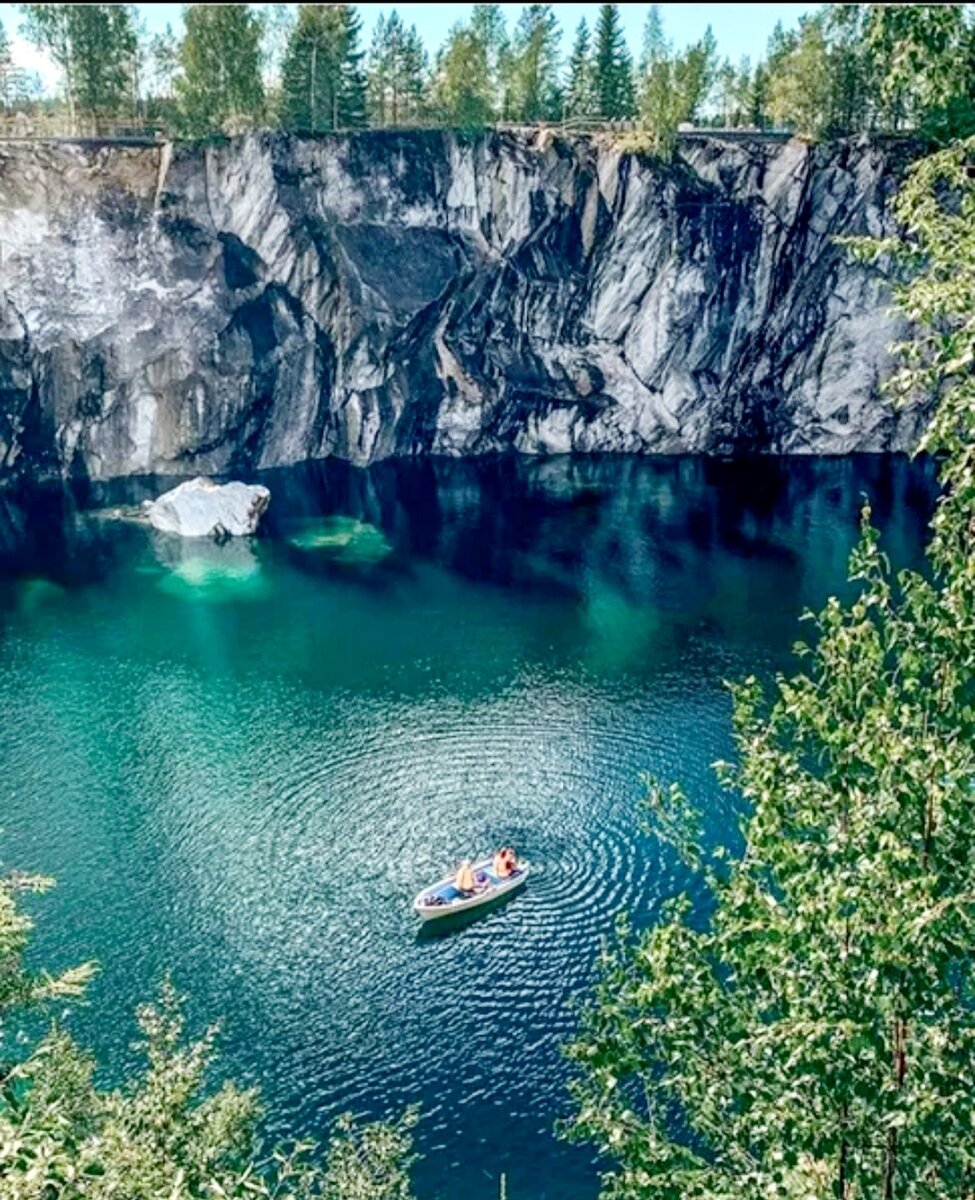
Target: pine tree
{"points": [[277, 22], [397, 73], [853, 99], [379, 69], [533, 66], [695, 73], [352, 98], [322, 85], [220, 88], [734, 93], [613, 67], [580, 93], [164, 62], [657, 96], [725, 89], [742, 93]]}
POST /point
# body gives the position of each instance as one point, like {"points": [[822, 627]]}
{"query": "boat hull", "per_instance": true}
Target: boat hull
{"points": [[451, 901]]}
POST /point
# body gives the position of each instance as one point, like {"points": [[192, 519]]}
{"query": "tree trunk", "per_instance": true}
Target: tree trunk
{"points": [[890, 1166], [842, 1181], [311, 97], [69, 89], [900, 1071]]}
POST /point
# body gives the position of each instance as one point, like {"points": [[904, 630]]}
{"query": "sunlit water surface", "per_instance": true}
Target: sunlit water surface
{"points": [[242, 762]]}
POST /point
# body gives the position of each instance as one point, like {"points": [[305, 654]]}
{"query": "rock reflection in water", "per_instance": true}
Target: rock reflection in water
{"points": [[249, 784], [202, 569]]}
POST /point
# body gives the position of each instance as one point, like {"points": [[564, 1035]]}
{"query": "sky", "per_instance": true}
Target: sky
{"points": [[740, 29]]}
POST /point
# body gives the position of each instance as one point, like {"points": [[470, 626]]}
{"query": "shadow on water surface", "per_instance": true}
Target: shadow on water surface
{"points": [[454, 923], [243, 762], [522, 522]]}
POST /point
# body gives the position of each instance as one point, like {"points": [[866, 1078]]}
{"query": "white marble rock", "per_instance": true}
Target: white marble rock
{"points": [[189, 309], [201, 508]]}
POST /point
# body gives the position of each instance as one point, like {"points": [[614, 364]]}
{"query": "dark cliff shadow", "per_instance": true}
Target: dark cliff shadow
{"points": [[655, 556], [624, 538]]}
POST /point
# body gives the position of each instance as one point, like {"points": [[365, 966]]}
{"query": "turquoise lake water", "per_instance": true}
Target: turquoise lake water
{"points": [[242, 762]]}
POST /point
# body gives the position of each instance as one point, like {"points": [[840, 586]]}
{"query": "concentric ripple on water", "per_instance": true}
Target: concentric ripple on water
{"points": [[242, 762]]}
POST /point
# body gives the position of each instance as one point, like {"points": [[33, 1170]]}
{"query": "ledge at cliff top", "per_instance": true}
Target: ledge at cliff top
{"points": [[202, 508], [269, 299]]}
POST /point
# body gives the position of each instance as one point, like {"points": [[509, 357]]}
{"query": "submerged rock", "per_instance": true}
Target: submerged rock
{"points": [[202, 508], [36, 593], [345, 538]]}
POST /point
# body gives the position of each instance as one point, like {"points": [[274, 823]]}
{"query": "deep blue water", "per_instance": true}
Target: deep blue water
{"points": [[241, 763]]}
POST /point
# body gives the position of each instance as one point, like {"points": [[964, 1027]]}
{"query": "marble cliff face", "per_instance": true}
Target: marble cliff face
{"points": [[198, 309]]}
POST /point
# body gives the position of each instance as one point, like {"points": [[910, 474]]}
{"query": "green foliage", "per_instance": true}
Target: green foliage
{"points": [[322, 82], [873, 66], [163, 65], [613, 67], [95, 46], [163, 1133], [671, 86], [462, 83], [49, 27], [277, 23], [18, 985], [815, 1037], [370, 1162], [581, 99], [16, 85], [758, 114], [931, 267], [532, 91], [220, 89], [397, 73], [158, 1136], [844, 69], [105, 56], [472, 77], [735, 95], [487, 24], [921, 58], [799, 84]]}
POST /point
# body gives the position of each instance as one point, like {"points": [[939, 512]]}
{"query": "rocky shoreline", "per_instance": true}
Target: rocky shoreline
{"points": [[254, 303]]}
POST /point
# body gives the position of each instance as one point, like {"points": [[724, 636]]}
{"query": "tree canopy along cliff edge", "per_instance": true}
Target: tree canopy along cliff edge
{"points": [[844, 69], [816, 1036]]}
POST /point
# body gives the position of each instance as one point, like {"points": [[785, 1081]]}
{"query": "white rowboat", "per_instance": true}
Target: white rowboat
{"points": [[444, 899]]}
